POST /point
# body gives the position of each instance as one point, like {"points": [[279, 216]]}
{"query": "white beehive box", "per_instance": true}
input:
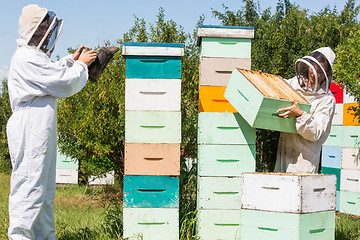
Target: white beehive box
{"points": [[288, 192], [67, 176], [108, 179], [350, 180]]}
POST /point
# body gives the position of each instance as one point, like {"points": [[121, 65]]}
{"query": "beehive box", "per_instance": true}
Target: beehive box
{"points": [[151, 191], [350, 180], [152, 94], [152, 223], [331, 156], [351, 136], [333, 171], [284, 226], [211, 99], [217, 71], [335, 137], [351, 158], [288, 192], [107, 179], [338, 92], [67, 176], [153, 60], [338, 115], [350, 202], [65, 162], [152, 159], [224, 128], [350, 119], [257, 97], [226, 160], [152, 127], [225, 41], [219, 192], [218, 224]]}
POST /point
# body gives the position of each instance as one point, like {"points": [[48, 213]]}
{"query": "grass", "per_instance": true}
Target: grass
{"points": [[84, 213]]}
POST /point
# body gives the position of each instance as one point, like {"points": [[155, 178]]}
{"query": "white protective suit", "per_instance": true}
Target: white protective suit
{"points": [[34, 84], [301, 152]]}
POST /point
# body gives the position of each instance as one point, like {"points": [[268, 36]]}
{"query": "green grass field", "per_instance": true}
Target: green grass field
{"points": [[84, 213]]}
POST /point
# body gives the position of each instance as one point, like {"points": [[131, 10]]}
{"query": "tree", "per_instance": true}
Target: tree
{"points": [[5, 113]]}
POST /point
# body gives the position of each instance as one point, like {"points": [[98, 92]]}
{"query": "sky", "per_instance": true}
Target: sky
{"points": [[92, 22]]}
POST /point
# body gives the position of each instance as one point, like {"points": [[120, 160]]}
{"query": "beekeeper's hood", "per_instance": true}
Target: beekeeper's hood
{"points": [[321, 62], [39, 28]]}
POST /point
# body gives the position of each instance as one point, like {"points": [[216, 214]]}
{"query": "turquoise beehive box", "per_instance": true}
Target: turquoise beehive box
{"points": [[257, 97], [151, 191], [153, 60]]}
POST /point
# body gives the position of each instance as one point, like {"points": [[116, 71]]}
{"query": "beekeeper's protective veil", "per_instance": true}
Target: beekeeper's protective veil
{"points": [[39, 28], [315, 71]]}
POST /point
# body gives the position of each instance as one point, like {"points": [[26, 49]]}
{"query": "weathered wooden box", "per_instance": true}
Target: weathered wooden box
{"points": [[152, 94], [284, 226], [349, 115], [152, 159], [152, 223], [257, 97], [333, 171], [65, 162], [153, 60], [350, 158], [350, 203], [335, 137], [351, 136], [350, 180], [211, 99], [67, 176], [226, 160], [331, 156], [152, 127], [224, 128], [225, 41], [219, 193], [217, 71], [288, 192], [151, 191], [218, 224]]}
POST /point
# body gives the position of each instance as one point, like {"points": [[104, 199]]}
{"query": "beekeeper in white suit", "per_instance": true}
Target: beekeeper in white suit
{"points": [[300, 153], [34, 83]]}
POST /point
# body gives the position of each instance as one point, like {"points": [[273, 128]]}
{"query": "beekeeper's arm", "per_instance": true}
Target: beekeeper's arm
{"points": [[311, 125], [63, 80]]}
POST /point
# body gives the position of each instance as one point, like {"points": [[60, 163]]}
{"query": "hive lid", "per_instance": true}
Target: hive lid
{"points": [[272, 86], [223, 32], [152, 49]]}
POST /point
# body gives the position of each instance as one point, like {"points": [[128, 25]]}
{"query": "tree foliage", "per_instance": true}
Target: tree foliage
{"points": [[5, 113]]}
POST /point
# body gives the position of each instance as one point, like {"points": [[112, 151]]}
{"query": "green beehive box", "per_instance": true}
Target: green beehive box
{"points": [[219, 192], [258, 96], [284, 226], [225, 41], [335, 137], [349, 202], [65, 162], [224, 128], [152, 127], [226, 160]]}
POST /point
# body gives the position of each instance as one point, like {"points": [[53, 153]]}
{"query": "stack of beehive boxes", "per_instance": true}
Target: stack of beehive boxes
{"points": [[340, 153], [226, 143], [66, 169], [287, 206], [152, 139]]}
